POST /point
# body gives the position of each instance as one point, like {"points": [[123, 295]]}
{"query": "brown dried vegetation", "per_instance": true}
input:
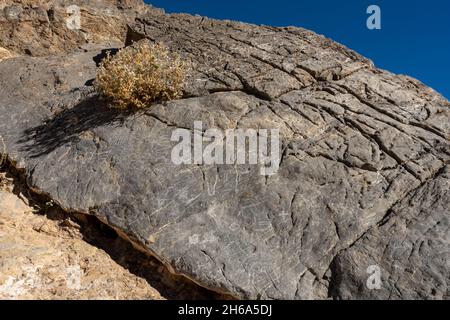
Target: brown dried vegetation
{"points": [[140, 75]]}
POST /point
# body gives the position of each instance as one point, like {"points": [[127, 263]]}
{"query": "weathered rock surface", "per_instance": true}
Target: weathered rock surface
{"points": [[48, 254], [41, 260], [44, 27], [45, 259], [363, 178]]}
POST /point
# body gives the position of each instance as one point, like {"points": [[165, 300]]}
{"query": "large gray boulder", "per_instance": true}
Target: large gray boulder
{"points": [[363, 178]]}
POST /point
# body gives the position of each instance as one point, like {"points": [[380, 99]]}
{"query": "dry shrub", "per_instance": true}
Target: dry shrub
{"points": [[140, 75]]}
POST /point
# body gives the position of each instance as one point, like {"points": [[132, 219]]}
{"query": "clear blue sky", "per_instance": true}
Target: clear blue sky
{"points": [[414, 39]]}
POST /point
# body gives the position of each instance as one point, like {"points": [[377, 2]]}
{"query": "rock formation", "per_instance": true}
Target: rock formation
{"points": [[364, 174], [42, 259], [46, 253], [42, 27]]}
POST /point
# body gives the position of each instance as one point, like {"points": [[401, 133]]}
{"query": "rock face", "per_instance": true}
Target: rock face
{"points": [[363, 180], [44, 260], [46, 253], [42, 27]]}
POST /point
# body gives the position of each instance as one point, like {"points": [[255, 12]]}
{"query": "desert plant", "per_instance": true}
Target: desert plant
{"points": [[140, 75]]}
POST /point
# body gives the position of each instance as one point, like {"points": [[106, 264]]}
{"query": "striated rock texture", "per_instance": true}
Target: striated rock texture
{"points": [[363, 179], [49, 254]]}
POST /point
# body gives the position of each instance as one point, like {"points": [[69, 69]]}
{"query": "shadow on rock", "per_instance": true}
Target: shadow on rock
{"points": [[103, 54], [67, 126]]}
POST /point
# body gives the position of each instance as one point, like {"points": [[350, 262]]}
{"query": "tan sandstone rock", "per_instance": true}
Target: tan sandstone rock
{"points": [[42, 259]]}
